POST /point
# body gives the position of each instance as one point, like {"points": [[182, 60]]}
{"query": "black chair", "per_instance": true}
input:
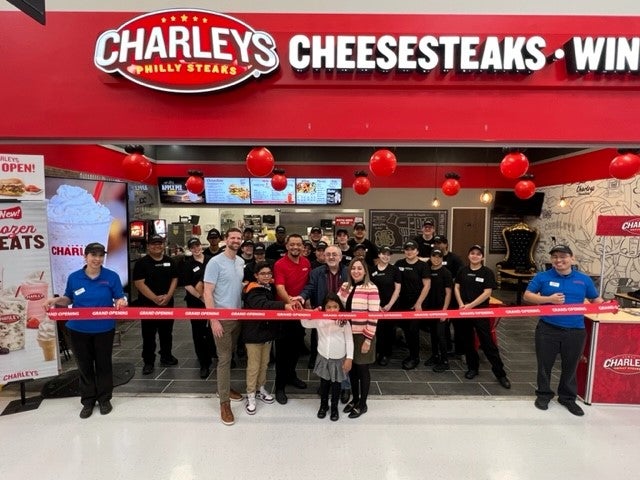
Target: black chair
{"points": [[521, 241]]}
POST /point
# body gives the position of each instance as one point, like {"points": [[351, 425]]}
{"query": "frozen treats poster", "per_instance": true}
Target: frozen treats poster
{"points": [[28, 340]]}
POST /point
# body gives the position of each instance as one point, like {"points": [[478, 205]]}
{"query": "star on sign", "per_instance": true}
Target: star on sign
{"points": [[184, 18]]}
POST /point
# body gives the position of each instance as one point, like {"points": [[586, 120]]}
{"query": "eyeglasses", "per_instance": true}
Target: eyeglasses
{"points": [[331, 254]]}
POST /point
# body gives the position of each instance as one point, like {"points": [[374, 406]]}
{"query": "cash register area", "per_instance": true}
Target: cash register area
{"points": [[180, 437]]}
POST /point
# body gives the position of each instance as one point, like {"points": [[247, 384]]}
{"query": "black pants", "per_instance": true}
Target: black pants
{"points": [[203, 342], [569, 343], [92, 352], [288, 352], [438, 333], [385, 337], [164, 329], [411, 329], [482, 328]]}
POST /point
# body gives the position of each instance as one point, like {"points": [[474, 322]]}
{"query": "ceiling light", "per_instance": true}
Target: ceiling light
{"points": [[435, 202], [563, 202], [486, 197]]}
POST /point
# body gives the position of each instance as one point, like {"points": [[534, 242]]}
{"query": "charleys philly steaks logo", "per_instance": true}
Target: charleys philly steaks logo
{"points": [[186, 51]]}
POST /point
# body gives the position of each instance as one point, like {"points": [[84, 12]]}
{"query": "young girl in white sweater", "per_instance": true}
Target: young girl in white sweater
{"points": [[335, 354]]}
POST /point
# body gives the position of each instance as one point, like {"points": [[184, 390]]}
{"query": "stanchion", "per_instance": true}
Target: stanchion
{"points": [[24, 404]]}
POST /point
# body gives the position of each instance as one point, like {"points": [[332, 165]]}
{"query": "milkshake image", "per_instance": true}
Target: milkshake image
{"points": [[35, 292], [74, 220], [13, 320], [47, 339]]}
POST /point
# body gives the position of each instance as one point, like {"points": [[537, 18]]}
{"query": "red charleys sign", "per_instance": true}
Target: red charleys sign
{"points": [[186, 51], [625, 364], [618, 226]]}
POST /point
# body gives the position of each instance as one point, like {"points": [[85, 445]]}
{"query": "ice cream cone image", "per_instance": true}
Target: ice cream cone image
{"points": [[47, 339], [48, 349]]}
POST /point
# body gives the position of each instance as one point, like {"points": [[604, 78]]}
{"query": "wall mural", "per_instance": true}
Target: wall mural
{"points": [[575, 225]]}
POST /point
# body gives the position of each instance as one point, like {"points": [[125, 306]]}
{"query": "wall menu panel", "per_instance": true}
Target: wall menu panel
{"points": [[497, 223], [227, 191], [394, 227], [262, 193]]}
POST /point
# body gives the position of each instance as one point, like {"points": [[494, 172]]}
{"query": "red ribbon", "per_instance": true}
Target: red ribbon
{"points": [[141, 313]]}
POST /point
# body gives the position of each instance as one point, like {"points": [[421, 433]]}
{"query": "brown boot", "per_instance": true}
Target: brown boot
{"points": [[226, 415]]}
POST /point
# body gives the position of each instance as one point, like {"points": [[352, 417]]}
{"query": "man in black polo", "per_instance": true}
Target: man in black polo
{"points": [[277, 249], [213, 237], [425, 240], [360, 238]]}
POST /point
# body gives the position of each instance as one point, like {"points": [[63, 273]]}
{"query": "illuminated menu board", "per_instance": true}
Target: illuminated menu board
{"points": [[319, 191], [173, 190], [262, 193], [227, 191]]}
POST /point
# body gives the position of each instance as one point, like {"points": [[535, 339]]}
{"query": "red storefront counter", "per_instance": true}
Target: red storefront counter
{"points": [[610, 370]]}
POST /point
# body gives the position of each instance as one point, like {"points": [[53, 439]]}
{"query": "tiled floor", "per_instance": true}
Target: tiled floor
{"points": [[515, 339]]}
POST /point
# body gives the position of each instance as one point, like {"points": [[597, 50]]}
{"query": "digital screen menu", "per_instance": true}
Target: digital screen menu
{"points": [[262, 193], [229, 191], [173, 190], [319, 191]]}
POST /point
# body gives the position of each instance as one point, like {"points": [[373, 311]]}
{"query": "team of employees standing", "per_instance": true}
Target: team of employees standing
{"points": [[428, 277]]}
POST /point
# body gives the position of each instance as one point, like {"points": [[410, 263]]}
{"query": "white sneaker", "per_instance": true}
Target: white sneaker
{"points": [[250, 406], [265, 396]]}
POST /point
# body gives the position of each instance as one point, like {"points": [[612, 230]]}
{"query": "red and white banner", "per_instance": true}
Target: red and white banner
{"points": [[230, 314], [618, 226], [28, 340]]}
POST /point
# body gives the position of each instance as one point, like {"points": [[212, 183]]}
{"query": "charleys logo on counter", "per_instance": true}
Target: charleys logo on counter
{"points": [[186, 51], [624, 364]]}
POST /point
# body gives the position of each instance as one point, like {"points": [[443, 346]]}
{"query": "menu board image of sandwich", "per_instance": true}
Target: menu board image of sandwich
{"points": [[227, 190], [21, 177], [318, 191], [262, 193]]}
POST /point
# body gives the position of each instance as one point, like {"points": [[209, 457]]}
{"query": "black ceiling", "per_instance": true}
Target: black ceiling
{"points": [[341, 154]]}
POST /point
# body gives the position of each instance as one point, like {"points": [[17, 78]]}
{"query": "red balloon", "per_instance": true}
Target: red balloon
{"points": [[195, 184], [279, 182], [383, 163], [260, 162], [361, 185], [514, 165], [524, 189], [625, 166], [451, 187], [137, 167]]}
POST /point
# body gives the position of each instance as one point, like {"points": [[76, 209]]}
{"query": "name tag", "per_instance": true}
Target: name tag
{"points": [[444, 263], [196, 269], [480, 279], [554, 284], [166, 264], [79, 291], [401, 269]]}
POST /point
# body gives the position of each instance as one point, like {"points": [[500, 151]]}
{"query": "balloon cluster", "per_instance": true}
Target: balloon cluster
{"points": [[135, 165], [361, 185], [195, 182], [514, 165], [625, 165], [451, 185], [278, 181]]}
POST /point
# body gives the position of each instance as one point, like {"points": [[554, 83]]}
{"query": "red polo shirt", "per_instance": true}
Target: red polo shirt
{"points": [[294, 276]]}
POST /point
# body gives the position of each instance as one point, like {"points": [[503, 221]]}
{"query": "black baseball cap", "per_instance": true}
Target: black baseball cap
{"points": [[259, 248], [247, 243], [95, 247], [321, 245], [410, 245], [248, 229], [156, 239], [281, 229], [428, 222], [560, 249], [307, 242], [480, 248], [214, 232], [384, 250], [437, 252], [342, 230], [359, 225], [359, 246], [193, 241], [315, 230], [440, 239]]}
